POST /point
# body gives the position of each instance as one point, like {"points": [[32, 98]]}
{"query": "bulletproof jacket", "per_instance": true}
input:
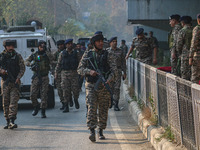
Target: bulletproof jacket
{"points": [[42, 61], [100, 63], [10, 63], [188, 37], [69, 61]]}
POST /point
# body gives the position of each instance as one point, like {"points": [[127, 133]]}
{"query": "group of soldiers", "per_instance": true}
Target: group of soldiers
{"points": [[184, 43], [101, 67]]}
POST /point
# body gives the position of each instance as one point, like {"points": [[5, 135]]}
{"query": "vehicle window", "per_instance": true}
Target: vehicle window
{"points": [[32, 43]]}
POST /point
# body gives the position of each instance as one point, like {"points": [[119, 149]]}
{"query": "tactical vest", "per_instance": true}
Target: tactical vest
{"points": [[43, 63], [11, 64], [69, 61], [100, 63]]}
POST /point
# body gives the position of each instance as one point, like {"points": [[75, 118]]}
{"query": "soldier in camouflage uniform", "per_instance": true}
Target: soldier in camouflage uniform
{"points": [[143, 47], [12, 68], [99, 98], [67, 64], [175, 24], [124, 47], [61, 47], [183, 46], [81, 52], [194, 56], [119, 57], [40, 80]]}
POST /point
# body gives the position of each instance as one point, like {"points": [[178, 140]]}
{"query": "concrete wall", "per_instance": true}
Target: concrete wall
{"points": [[161, 9], [155, 13]]}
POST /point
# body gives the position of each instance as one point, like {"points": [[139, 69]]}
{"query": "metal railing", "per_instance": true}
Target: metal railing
{"points": [[177, 101]]}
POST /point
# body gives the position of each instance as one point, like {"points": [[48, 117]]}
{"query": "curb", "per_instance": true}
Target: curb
{"points": [[149, 131]]}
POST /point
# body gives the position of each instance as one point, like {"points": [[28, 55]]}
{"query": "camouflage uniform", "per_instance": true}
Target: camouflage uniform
{"points": [[173, 50], [143, 48], [183, 48], [100, 98], [124, 48], [195, 55], [69, 77], [58, 79], [118, 57], [10, 90], [40, 82], [80, 78]]}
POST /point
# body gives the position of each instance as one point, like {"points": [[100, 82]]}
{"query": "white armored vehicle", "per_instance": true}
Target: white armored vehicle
{"points": [[26, 39]]}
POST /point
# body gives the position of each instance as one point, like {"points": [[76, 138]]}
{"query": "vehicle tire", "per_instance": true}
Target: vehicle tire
{"points": [[51, 97]]}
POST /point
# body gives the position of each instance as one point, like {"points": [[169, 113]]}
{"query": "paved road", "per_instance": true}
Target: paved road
{"points": [[68, 131]]}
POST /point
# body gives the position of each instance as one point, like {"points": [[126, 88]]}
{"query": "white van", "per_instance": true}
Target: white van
{"points": [[26, 39]]}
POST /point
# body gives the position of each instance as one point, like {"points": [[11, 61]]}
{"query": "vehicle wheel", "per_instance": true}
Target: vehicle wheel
{"points": [[51, 97]]}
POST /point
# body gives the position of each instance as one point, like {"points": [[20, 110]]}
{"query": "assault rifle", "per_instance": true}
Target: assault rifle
{"points": [[101, 79], [36, 68]]}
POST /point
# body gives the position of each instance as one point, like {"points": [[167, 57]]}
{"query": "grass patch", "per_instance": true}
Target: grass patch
{"points": [[168, 134], [154, 117], [131, 91]]}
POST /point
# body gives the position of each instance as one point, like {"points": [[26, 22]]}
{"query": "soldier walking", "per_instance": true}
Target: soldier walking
{"points": [[40, 80], [119, 58], [194, 56], [61, 47], [67, 65], [81, 52], [176, 27], [183, 46], [12, 68], [143, 47], [97, 98]]}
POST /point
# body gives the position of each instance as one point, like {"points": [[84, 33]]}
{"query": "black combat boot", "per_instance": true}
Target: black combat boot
{"points": [[116, 108], [100, 134], [92, 135], [76, 103], [35, 110], [12, 124], [7, 124], [63, 106], [43, 115], [66, 109], [71, 102]]}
